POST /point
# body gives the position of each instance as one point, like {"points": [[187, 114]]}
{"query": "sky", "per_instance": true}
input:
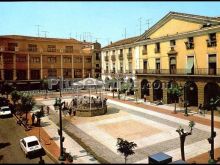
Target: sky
{"points": [[92, 20]]}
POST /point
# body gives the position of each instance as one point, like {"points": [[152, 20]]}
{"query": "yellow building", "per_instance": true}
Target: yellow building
{"points": [[180, 48]]}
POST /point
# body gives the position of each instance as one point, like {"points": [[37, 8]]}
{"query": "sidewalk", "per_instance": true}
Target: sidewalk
{"points": [[50, 139], [202, 158]]}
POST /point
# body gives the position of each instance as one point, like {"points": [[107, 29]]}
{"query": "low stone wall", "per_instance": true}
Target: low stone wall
{"points": [[92, 112]]}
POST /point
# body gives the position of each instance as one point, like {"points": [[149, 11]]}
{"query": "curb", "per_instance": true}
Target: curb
{"points": [[51, 156]]}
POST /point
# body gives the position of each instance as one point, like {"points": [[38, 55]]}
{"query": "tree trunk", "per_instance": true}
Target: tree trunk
{"points": [[26, 117], [175, 106], [182, 140]]}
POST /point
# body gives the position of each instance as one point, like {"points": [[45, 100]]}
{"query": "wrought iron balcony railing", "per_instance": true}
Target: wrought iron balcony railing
{"points": [[211, 43], [200, 71]]}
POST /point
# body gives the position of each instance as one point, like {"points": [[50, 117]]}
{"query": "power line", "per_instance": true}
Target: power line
{"points": [[45, 33]]}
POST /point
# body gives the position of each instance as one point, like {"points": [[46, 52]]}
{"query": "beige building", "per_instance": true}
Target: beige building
{"points": [[28, 60], [180, 48]]}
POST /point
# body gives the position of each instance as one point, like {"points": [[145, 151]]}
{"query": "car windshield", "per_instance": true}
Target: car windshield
{"points": [[5, 109], [33, 143]]}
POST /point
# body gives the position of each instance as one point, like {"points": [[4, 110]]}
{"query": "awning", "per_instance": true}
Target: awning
{"points": [[172, 61], [190, 62], [212, 59]]}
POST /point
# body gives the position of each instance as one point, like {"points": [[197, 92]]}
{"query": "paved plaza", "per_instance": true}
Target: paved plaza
{"points": [[152, 132]]}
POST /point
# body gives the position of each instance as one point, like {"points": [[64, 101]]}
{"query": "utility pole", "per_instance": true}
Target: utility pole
{"points": [[38, 30], [45, 33], [148, 23], [70, 35]]}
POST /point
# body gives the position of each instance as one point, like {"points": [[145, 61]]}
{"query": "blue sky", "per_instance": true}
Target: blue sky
{"points": [[104, 21]]}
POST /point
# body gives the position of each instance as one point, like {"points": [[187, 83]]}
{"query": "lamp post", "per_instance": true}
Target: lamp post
{"points": [[58, 104], [60, 86], [212, 105]]}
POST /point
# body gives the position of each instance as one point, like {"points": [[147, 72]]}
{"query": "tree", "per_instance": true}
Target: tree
{"points": [[176, 92], [6, 89], [27, 103], [126, 148], [183, 136], [15, 96]]}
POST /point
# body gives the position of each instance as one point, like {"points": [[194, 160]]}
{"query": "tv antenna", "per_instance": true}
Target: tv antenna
{"points": [[38, 30], [45, 33]]}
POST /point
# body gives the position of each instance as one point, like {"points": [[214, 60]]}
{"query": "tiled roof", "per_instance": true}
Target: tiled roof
{"points": [[20, 37], [122, 42]]}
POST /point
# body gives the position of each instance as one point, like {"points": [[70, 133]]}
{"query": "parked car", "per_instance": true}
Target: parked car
{"points": [[30, 145], [5, 111]]}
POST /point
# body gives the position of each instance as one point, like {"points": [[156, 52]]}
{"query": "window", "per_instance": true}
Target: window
{"points": [[52, 73], [121, 67], [88, 60], [11, 46], [121, 51], [172, 42], [157, 65], [212, 64], [113, 67], [51, 59], [144, 51], [51, 48], [67, 59], [190, 43], [190, 64], [97, 65], [78, 60], [157, 47], [88, 73], [35, 59], [130, 67], [21, 74], [33, 143], [35, 74], [172, 65], [97, 56], [211, 42], [8, 59], [69, 49], [145, 65], [67, 73], [78, 73], [32, 47], [129, 50], [20, 59], [106, 53]]}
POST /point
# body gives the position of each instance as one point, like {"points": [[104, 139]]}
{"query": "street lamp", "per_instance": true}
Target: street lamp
{"points": [[60, 86], [212, 105], [58, 104], [186, 102]]}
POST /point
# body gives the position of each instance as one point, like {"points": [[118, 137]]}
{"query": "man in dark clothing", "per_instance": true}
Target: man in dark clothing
{"points": [[33, 118]]}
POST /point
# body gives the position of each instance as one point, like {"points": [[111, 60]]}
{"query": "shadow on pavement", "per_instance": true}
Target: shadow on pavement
{"points": [[2, 145], [37, 154]]}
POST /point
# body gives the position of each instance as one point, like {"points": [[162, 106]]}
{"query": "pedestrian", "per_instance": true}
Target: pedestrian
{"points": [[33, 118], [74, 112], [70, 111], [200, 109], [145, 98], [42, 110], [48, 109]]}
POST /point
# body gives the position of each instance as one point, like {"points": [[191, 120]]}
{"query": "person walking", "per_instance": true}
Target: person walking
{"points": [[48, 110], [200, 109], [33, 118]]}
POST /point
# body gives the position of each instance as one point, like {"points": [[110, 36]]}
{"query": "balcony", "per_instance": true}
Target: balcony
{"points": [[200, 71], [128, 71], [32, 49], [189, 45], [172, 51], [113, 57], [51, 50], [157, 50], [211, 43], [144, 52], [129, 56], [120, 56], [106, 58]]}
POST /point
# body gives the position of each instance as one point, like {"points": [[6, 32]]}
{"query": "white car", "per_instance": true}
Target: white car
{"points": [[5, 111], [30, 145]]}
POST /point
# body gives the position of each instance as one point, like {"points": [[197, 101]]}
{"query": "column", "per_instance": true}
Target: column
{"points": [[200, 86], [41, 66], [28, 65], [14, 67], [165, 86], [151, 91]]}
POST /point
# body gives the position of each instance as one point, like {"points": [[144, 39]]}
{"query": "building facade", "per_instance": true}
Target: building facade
{"points": [[30, 59], [181, 49]]}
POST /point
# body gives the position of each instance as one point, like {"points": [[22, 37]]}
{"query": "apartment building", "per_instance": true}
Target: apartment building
{"points": [[27, 60], [180, 48]]}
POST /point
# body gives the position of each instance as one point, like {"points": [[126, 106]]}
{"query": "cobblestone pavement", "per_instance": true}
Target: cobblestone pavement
{"points": [[86, 134]]}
